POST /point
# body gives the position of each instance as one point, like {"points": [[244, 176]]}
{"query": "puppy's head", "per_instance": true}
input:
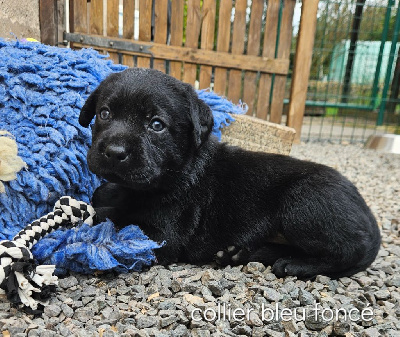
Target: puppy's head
{"points": [[147, 125]]}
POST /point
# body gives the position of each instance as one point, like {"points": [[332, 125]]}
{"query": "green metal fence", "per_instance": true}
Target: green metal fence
{"points": [[354, 83]]}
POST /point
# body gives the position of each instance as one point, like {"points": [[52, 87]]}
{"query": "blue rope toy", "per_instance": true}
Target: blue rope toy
{"points": [[42, 90]]}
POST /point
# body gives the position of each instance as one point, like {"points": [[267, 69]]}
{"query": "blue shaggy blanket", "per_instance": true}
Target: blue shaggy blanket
{"points": [[42, 90]]}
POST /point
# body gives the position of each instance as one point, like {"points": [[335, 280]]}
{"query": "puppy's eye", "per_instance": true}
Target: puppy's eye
{"points": [[157, 125], [104, 114]]}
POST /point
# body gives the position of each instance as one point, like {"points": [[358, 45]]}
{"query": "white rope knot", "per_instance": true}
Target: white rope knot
{"points": [[20, 279]]}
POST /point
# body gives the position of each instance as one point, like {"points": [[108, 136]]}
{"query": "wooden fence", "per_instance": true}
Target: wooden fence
{"points": [[240, 51]]}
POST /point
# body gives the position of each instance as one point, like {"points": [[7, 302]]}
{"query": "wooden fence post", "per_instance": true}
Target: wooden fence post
{"points": [[48, 22], [302, 64]]}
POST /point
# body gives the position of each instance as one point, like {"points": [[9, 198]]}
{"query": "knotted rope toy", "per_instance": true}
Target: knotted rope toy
{"points": [[22, 281]]}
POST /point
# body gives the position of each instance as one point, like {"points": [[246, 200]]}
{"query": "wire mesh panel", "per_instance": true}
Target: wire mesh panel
{"points": [[354, 82]]}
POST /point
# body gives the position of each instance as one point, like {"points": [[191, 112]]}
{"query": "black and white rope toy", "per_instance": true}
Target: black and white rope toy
{"points": [[20, 279]]}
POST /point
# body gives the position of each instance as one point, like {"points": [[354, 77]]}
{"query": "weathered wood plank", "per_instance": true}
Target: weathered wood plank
{"points": [[160, 30], [207, 39], [78, 16], [113, 24], [198, 56], [145, 7], [285, 40], [192, 38], [253, 48], [264, 85], [302, 64], [47, 18], [128, 17], [175, 68], [255, 134], [96, 17], [239, 31], [224, 35]]}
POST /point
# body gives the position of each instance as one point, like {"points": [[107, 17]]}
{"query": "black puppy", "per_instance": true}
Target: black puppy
{"points": [[208, 200]]}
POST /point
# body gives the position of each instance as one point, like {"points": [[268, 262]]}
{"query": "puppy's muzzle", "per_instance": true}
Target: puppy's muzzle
{"points": [[116, 153]]}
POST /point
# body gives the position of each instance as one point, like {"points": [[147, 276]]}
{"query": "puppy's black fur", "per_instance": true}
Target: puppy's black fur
{"points": [[152, 141]]}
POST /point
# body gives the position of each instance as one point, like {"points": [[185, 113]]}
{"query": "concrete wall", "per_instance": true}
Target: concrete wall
{"points": [[20, 17]]}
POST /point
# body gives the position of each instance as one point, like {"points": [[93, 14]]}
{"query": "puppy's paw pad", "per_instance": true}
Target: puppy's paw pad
{"points": [[231, 249], [222, 258], [231, 255], [301, 271]]}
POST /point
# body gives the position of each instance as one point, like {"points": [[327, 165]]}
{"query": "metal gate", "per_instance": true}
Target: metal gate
{"points": [[354, 83]]}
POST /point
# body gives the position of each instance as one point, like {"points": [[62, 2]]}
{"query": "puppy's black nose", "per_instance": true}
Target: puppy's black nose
{"points": [[116, 152]]}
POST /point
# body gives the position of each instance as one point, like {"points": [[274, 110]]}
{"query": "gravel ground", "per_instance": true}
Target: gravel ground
{"points": [[185, 300]]}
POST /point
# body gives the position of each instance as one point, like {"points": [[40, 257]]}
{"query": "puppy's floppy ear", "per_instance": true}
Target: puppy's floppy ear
{"points": [[89, 110], [202, 118]]}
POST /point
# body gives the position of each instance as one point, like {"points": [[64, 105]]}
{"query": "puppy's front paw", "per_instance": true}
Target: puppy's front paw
{"points": [[301, 268], [231, 256], [279, 267]]}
